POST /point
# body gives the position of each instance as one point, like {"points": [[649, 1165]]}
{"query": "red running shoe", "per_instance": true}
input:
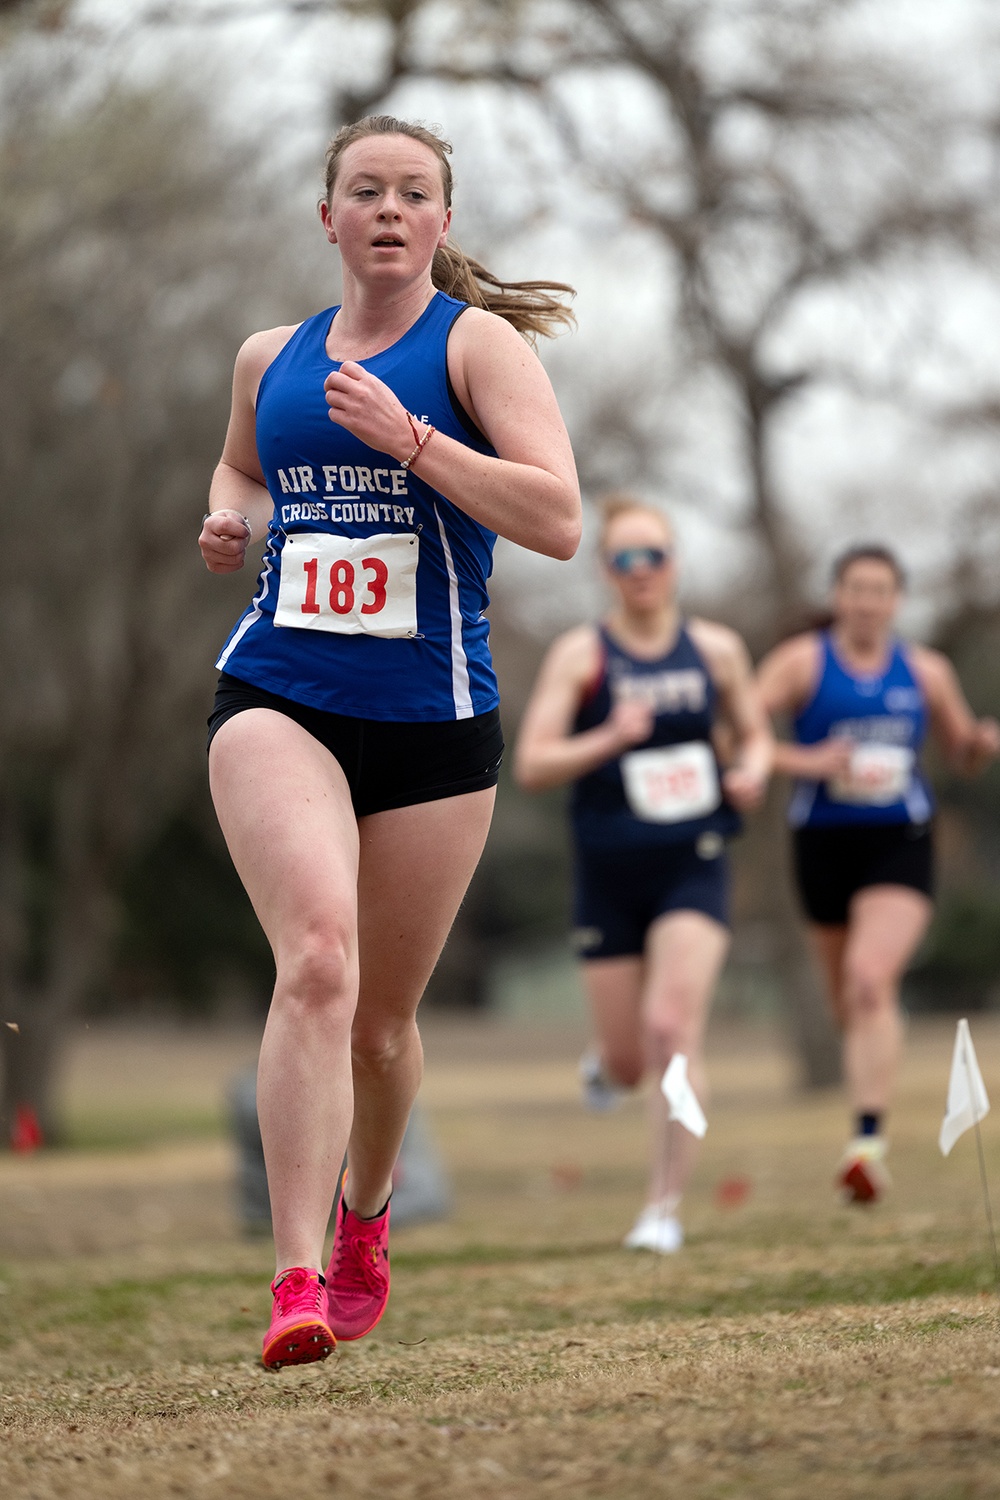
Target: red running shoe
{"points": [[862, 1175], [357, 1278], [299, 1331]]}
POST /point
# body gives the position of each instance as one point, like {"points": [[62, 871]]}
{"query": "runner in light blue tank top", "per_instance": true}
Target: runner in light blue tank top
{"points": [[885, 716], [325, 481], [381, 445], [861, 704]]}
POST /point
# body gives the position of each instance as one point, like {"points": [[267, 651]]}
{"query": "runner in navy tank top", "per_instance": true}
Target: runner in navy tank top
{"points": [[628, 712], [862, 703], [355, 743]]}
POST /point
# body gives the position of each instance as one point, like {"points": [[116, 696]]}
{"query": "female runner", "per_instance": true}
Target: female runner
{"points": [[355, 741], [862, 702], [627, 710]]}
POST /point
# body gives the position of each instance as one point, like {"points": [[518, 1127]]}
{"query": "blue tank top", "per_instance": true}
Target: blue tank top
{"points": [[682, 694], [886, 712], [322, 479]]}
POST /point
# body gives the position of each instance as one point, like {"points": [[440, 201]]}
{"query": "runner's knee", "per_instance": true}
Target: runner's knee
{"points": [[669, 1029], [869, 986], [377, 1045], [320, 974], [623, 1066]]}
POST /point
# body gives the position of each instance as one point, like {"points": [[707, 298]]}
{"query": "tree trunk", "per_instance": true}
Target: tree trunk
{"points": [[30, 1057], [816, 1041], [766, 896], [42, 993]]}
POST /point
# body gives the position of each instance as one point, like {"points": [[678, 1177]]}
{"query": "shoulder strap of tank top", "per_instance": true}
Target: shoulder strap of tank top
{"points": [[684, 636], [310, 330], [901, 654], [596, 682], [460, 412]]}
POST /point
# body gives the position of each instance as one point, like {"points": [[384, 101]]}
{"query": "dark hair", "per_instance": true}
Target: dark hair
{"points": [[527, 305], [869, 552]]}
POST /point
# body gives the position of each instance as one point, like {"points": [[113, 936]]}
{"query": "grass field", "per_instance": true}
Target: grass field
{"points": [[792, 1349]]}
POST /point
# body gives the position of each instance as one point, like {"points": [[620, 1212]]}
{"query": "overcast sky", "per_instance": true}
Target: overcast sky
{"points": [[849, 465]]}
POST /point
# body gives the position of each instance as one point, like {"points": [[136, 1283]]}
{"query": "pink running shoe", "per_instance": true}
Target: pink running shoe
{"points": [[299, 1331], [357, 1278]]}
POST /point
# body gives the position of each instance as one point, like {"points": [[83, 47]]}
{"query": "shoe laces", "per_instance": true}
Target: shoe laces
{"points": [[299, 1291], [358, 1264]]}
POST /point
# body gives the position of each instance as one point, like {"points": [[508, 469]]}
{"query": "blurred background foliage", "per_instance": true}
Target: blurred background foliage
{"points": [[782, 219]]}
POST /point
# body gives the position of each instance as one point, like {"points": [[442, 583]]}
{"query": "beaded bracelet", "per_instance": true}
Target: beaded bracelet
{"points": [[421, 442]]}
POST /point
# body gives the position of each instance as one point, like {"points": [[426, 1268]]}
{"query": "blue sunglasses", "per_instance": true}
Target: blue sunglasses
{"points": [[631, 558]]}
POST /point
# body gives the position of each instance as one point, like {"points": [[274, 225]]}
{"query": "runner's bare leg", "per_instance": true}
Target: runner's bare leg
{"points": [[416, 864], [285, 809]]}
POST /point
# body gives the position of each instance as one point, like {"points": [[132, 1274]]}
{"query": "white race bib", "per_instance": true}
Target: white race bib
{"points": [[878, 776], [673, 783], [349, 585]]}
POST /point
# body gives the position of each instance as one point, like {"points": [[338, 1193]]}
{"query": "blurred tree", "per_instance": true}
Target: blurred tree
{"points": [[781, 157], [44, 15], [130, 245], [785, 160], [789, 159]]}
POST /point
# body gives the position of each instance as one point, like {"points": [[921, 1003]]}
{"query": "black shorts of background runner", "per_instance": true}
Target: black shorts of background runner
{"points": [[619, 894], [833, 864], [387, 764]]}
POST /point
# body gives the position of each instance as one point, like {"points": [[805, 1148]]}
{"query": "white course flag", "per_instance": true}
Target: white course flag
{"points": [[967, 1101], [676, 1089]]}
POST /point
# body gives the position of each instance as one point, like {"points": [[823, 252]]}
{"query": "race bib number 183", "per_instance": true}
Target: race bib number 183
{"points": [[349, 585]]}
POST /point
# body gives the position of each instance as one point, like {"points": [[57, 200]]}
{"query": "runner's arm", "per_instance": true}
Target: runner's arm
{"points": [[786, 678], [548, 754], [238, 491], [744, 782], [970, 744], [529, 493]]}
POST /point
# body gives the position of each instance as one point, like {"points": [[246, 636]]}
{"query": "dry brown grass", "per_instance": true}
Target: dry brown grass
{"points": [[792, 1350]]}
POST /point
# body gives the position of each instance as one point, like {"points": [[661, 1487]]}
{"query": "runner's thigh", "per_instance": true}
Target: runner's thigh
{"points": [[887, 923], [415, 866], [614, 990], [685, 951], [285, 809]]}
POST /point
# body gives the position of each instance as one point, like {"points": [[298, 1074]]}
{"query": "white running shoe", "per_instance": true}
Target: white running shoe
{"points": [[655, 1230], [862, 1175], [599, 1093]]}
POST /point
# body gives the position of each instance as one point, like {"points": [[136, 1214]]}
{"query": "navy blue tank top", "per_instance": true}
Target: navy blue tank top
{"points": [[359, 525], [680, 690], [886, 716]]}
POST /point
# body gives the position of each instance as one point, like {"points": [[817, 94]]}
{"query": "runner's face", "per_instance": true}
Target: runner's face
{"points": [[387, 211], [644, 584], [866, 598]]}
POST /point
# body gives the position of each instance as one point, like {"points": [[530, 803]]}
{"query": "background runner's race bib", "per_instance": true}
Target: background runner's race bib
{"points": [[673, 783], [349, 585], [878, 776]]}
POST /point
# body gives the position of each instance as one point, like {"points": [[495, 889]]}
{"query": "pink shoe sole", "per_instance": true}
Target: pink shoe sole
{"points": [[299, 1333], [301, 1344]]}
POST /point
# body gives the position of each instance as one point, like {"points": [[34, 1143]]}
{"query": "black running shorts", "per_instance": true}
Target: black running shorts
{"points": [[387, 764], [833, 864], [619, 894]]}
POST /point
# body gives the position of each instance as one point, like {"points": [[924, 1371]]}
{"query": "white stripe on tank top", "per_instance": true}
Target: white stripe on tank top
{"points": [[255, 611], [461, 690]]}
